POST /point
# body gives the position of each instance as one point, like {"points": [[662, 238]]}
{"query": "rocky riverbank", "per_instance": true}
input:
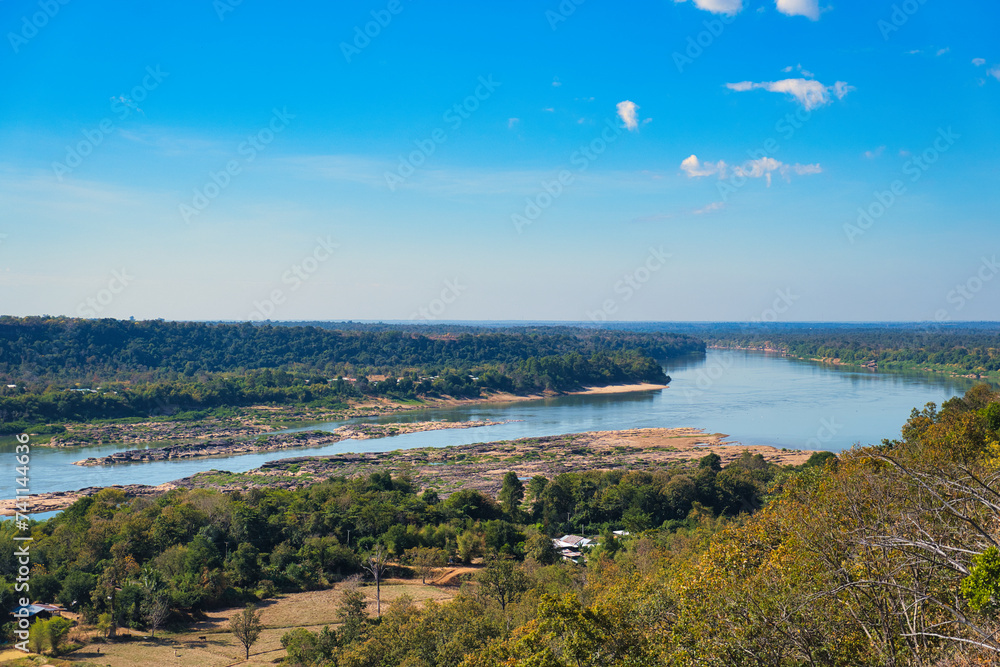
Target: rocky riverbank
{"points": [[275, 442], [479, 466]]}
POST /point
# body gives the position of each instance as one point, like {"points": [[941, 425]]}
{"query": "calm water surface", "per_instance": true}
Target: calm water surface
{"points": [[755, 398]]}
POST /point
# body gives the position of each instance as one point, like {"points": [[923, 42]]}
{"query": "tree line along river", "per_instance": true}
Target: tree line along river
{"points": [[756, 398]]}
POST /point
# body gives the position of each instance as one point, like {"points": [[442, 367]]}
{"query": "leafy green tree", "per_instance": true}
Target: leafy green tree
{"points": [[502, 581], [511, 494], [539, 547]]}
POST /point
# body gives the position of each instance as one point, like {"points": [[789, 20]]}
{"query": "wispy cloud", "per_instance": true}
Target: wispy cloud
{"points": [[943, 51], [513, 122], [804, 72], [627, 111], [994, 72], [871, 155], [729, 7], [978, 62], [714, 206], [759, 168], [810, 93], [807, 8]]}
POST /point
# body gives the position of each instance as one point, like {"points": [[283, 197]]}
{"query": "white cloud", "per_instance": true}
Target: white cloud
{"points": [[696, 169], [556, 82], [808, 92], [802, 70], [943, 51], [994, 72], [871, 155], [627, 112], [714, 206], [512, 123], [549, 109], [729, 7], [807, 8], [760, 168], [978, 62]]}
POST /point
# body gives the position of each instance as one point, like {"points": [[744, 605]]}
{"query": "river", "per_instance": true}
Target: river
{"points": [[755, 398]]}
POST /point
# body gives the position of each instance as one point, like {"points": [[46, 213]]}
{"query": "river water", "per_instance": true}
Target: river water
{"points": [[753, 397]]}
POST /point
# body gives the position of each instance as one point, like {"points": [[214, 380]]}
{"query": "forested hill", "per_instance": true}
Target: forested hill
{"points": [[78, 349], [62, 370]]}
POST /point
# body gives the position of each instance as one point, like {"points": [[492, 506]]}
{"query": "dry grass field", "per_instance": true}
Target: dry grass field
{"points": [[209, 643]]}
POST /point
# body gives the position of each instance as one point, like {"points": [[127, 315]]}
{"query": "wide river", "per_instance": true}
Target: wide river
{"points": [[755, 398]]}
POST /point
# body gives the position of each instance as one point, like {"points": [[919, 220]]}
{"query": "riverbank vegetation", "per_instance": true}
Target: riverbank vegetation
{"points": [[56, 370], [966, 350]]}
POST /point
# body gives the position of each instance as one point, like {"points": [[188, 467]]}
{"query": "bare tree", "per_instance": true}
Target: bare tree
{"points": [[155, 611], [376, 564], [246, 627]]}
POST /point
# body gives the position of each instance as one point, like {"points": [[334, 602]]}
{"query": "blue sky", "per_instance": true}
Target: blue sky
{"points": [[201, 160]]}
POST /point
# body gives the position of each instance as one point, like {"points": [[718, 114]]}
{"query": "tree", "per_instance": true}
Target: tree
{"points": [[426, 560], [351, 610], [540, 547], [503, 581], [55, 631], [376, 564], [155, 610], [511, 494], [470, 545], [246, 627]]}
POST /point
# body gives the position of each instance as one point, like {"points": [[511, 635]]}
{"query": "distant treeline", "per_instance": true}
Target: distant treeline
{"points": [[964, 350], [81, 370], [35, 349]]}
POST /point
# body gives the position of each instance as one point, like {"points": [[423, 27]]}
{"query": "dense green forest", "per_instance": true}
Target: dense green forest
{"points": [[78, 370], [36, 350], [885, 556], [962, 350]]}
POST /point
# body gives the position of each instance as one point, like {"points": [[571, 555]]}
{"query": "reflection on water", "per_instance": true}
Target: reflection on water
{"points": [[755, 398]]}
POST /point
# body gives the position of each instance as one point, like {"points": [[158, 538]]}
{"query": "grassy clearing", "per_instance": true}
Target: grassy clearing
{"points": [[208, 643]]}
